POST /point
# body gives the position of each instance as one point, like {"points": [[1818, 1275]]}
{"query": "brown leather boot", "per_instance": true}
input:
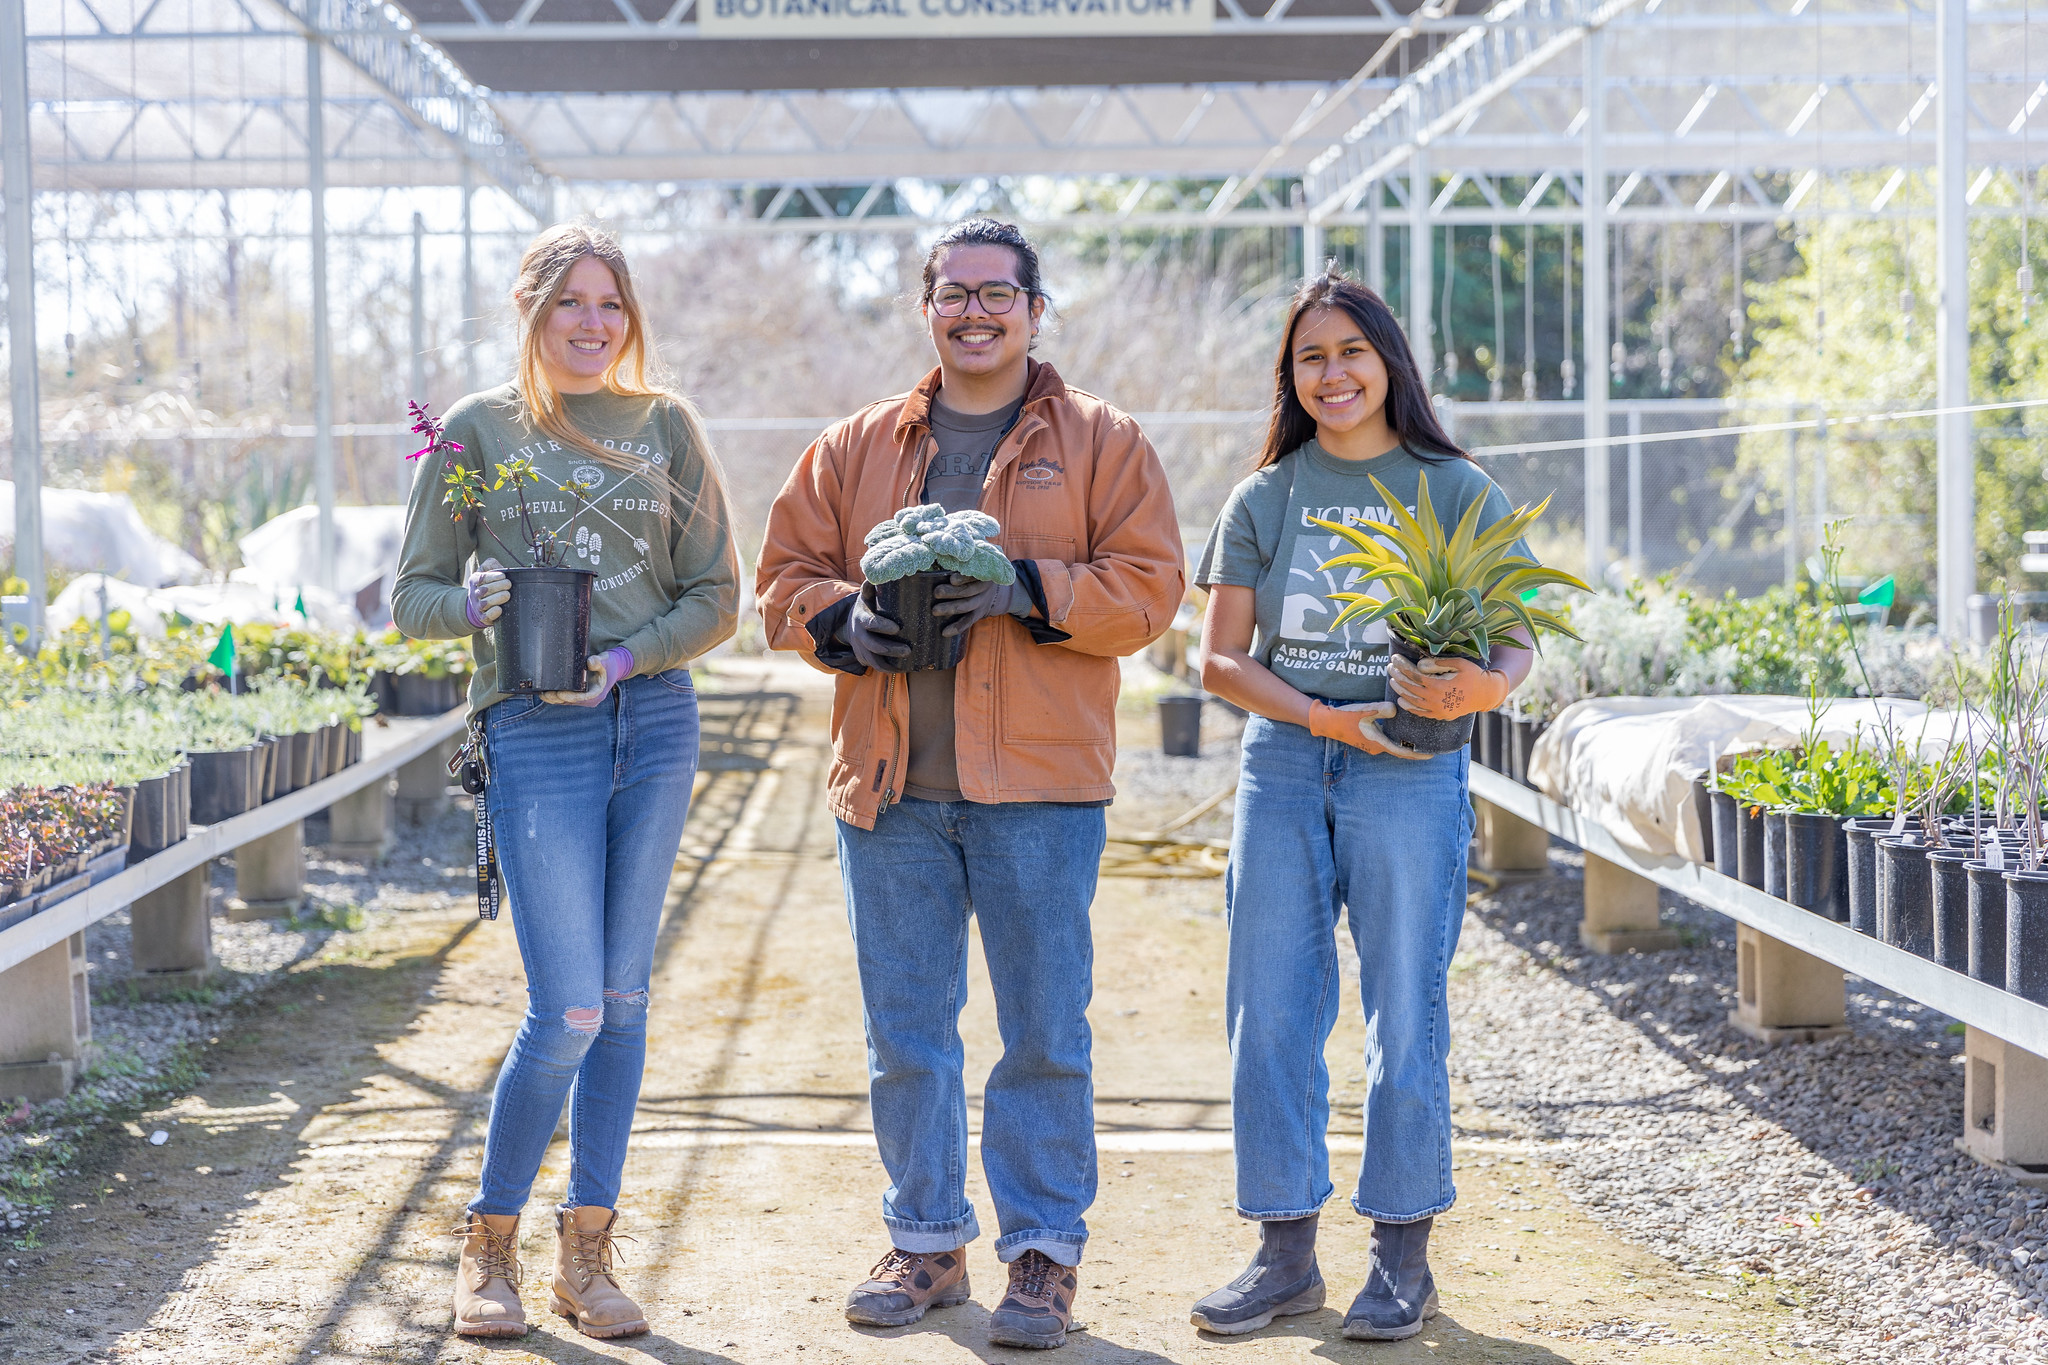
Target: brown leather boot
{"points": [[487, 1277], [904, 1284], [1037, 1311], [586, 1290]]}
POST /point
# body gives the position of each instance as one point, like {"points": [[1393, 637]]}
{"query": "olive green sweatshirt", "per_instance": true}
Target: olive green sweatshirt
{"points": [[666, 583]]}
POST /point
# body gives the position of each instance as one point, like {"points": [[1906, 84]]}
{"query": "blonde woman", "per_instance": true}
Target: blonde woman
{"points": [[586, 791]]}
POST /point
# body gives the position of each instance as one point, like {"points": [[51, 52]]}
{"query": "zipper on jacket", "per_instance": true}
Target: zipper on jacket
{"points": [[888, 796]]}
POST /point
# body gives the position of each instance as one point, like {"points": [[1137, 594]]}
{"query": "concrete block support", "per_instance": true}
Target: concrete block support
{"points": [[1783, 995], [423, 784], [1621, 911], [270, 874], [1508, 843], [359, 825], [2005, 1107], [171, 935], [45, 1022]]}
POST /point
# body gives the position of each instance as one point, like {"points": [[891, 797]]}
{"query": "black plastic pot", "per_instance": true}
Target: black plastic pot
{"points": [[1486, 733], [416, 694], [149, 824], [908, 602], [223, 784], [269, 749], [1816, 864], [384, 688], [1905, 896], [2026, 935], [1427, 736], [1859, 854], [303, 758], [1749, 844], [1180, 727], [1951, 907], [1518, 750], [355, 745], [543, 635], [1774, 853], [1703, 811], [178, 801], [1727, 834], [1987, 923], [323, 747]]}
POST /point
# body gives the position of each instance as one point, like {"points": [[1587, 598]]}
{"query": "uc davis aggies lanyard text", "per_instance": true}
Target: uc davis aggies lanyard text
{"points": [[471, 766]]}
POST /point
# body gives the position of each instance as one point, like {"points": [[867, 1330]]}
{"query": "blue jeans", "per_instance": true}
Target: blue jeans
{"points": [[1027, 871], [1323, 828], [587, 806]]}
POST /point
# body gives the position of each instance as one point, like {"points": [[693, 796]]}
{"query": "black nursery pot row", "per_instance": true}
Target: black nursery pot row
{"points": [[1936, 901], [228, 782], [1504, 744]]}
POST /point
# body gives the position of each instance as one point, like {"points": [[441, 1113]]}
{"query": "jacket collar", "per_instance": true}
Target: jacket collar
{"points": [[1041, 381]]}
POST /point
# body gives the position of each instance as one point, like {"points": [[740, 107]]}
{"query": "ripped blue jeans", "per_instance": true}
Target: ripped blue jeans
{"points": [[587, 806]]}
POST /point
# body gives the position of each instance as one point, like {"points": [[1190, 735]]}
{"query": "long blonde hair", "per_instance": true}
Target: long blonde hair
{"points": [[543, 272]]}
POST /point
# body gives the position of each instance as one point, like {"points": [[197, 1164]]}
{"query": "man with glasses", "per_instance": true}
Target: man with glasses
{"points": [[978, 791]]}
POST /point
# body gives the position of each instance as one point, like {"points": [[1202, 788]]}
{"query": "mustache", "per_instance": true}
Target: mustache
{"points": [[992, 325]]}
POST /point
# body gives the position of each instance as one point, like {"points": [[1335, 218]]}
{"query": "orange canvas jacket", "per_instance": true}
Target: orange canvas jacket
{"points": [[1078, 491]]}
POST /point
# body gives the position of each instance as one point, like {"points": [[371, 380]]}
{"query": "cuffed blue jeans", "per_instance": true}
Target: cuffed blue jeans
{"points": [[1026, 871], [587, 806], [1323, 829]]}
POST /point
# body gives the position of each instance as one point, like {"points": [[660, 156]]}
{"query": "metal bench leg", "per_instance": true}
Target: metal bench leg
{"points": [[171, 936], [1783, 995], [45, 1022], [1621, 911], [2005, 1107]]}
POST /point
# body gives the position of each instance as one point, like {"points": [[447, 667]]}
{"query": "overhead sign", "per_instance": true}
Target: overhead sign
{"points": [[953, 18]]}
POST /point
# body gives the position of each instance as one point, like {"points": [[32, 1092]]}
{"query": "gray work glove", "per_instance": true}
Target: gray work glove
{"points": [[971, 600], [872, 636]]}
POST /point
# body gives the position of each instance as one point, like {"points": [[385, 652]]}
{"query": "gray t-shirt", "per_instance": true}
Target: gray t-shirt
{"points": [[967, 443], [1264, 541]]}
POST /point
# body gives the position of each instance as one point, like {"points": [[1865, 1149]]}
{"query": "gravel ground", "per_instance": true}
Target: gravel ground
{"points": [[1825, 1171], [147, 1048]]}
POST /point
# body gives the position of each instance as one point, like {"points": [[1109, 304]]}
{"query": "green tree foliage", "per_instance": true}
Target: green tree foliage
{"points": [[1873, 351]]}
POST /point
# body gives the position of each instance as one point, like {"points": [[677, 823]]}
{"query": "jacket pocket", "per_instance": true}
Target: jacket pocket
{"points": [[1051, 695]]}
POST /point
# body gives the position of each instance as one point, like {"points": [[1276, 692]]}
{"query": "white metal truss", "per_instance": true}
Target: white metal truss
{"points": [[232, 111]]}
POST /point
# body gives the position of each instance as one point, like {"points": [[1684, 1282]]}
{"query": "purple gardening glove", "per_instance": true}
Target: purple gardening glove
{"points": [[485, 593], [607, 670]]}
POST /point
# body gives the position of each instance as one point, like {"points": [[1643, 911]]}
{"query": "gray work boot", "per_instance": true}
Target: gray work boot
{"points": [[1400, 1293], [1281, 1280]]}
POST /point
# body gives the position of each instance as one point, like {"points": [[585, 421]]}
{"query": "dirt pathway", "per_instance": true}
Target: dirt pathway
{"points": [[293, 1213]]}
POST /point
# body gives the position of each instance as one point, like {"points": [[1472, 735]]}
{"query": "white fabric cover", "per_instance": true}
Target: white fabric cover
{"points": [[100, 533], [210, 603], [285, 551], [1629, 762]]}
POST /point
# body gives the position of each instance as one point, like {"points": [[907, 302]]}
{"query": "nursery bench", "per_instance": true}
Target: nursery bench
{"points": [[1790, 965], [45, 998]]}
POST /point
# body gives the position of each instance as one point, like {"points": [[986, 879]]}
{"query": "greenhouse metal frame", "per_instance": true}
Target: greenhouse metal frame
{"points": [[1356, 119]]}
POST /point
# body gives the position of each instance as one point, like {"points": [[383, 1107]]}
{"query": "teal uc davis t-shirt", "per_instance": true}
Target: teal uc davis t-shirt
{"points": [[1264, 541]]}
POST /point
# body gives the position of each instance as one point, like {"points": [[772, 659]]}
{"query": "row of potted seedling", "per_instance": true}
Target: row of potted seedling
{"points": [[1504, 743], [56, 841]]}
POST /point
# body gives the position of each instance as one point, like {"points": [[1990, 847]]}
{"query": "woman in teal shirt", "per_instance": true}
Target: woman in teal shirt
{"points": [[1334, 818]]}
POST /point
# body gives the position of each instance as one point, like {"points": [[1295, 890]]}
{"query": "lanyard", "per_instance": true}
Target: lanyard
{"points": [[471, 766]]}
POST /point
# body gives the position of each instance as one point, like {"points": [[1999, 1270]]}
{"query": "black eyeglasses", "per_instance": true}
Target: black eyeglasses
{"points": [[950, 300]]}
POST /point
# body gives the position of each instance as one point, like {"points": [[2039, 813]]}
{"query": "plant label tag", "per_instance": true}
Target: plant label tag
{"points": [[1994, 854], [1898, 822]]}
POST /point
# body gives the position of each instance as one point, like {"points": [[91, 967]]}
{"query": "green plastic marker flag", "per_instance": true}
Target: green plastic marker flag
{"points": [[1530, 595], [1879, 594], [300, 605], [223, 656]]}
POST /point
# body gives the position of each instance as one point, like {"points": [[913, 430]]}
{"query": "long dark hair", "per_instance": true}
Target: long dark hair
{"points": [[1408, 410]]}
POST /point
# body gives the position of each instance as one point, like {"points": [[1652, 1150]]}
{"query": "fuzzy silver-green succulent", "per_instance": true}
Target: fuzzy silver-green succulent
{"points": [[930, 537]]}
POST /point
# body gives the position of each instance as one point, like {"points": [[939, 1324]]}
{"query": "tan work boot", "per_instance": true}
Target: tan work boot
{"points": [[585, 1289], [904, 1284], [1039, 1308], [487, 1277]]}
